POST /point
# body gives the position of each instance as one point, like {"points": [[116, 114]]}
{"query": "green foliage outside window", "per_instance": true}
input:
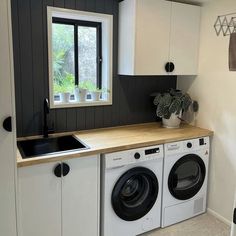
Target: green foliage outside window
{"points": [[63, 58]]}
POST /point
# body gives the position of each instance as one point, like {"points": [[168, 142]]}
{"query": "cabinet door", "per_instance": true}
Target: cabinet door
{"points": [[7, 139], [80, 197], [39, 201], [184, 42], [152, 37]]}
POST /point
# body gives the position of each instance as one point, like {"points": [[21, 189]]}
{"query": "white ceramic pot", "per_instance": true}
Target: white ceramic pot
{"points": [[82, 95], [95, 95], [173, 122], [65, 97]]}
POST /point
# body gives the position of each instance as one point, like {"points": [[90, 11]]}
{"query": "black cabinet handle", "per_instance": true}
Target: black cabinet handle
{"points": [[57, 171], [7, 124], [169, 67], [65, 169]]}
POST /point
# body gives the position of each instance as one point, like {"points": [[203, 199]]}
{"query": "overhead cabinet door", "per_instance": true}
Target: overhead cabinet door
{"points": [[144, 32], [152, 37], [158, 37], [184, 38]]}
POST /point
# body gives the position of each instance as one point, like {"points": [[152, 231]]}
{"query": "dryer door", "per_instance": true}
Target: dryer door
{"points": [[187, 177], [135, 193]]}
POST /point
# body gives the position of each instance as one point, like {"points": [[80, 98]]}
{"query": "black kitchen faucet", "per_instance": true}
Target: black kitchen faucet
{"points": [[46, 111]]}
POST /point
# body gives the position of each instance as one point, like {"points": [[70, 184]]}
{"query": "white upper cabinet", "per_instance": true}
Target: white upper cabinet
{"points": [[184, 39], [153, 33]]}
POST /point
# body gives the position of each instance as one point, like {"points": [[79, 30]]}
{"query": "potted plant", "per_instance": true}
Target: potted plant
{"points": [[81, 91], [170, 106], [93, 90], [65, 88]]}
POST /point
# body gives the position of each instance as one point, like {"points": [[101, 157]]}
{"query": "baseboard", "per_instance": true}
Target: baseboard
{"points": [[218, 216]]}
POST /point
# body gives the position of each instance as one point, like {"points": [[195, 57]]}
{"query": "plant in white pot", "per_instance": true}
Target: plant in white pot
{"points": [[96, 94], [64, 88], [81, 91], [93, 90], [170, 107]]}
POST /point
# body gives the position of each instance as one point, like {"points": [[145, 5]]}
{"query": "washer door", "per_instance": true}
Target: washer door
{"points": [[135, 193], [187, 177]]}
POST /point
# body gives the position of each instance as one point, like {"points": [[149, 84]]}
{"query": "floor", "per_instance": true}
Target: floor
{"points": [[204, 225]]}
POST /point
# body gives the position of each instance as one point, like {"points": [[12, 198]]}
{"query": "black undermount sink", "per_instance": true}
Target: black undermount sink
{"points": [[49, 146]]}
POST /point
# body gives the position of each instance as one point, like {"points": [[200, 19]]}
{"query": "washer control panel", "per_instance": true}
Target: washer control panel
{"points": [[133, 156], [152, 151]]}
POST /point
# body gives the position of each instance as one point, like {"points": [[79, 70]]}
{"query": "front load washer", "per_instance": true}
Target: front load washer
{"points": [[131, 191], [184, 180]]}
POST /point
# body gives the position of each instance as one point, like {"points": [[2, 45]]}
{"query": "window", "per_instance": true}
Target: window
{"points": [[80, 58]]}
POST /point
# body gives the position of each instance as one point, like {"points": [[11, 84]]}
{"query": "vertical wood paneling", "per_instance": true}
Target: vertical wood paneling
{"points": [[98, 117], [89, 115], [131, 101], [91, 5], [70, 4], [81, 118], [59, 3], [37, 62], [17, 68], [100, 6], [61, 120], [81, 5], [71, 119], [52, 116], [26, 66]]}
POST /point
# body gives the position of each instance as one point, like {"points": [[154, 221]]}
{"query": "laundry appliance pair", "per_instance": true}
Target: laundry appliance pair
{"points": [[147, 188]]}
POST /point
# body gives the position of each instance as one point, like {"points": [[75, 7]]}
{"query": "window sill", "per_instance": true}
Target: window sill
{"points": [[87, 103]]}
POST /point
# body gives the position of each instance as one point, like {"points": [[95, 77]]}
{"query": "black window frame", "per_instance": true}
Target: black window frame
{"points": [[76, 24]]}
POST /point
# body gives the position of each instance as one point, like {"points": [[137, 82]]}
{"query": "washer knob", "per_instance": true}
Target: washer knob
{"points": [[137, 155], [189, 145]]}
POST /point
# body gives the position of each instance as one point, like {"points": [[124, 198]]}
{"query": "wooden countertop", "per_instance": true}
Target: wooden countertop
{"points": [[120, 138]]}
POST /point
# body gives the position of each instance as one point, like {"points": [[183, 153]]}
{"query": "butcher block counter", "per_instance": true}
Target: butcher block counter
{"points": [[107, 140]]}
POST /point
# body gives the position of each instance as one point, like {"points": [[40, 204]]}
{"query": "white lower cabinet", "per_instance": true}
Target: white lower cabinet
{"points": [[80, 197], [59, 206]]}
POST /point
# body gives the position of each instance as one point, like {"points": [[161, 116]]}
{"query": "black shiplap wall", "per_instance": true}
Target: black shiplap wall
{"points": [[131, 101]]}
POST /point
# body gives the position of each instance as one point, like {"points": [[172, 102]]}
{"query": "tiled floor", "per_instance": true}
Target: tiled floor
{"points": [[204, 225]]}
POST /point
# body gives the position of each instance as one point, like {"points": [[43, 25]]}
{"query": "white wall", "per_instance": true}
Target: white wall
{"points": [[215, 89]]}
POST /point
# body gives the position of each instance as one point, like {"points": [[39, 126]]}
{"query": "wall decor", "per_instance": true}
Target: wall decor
{"points": [[225, 24]]}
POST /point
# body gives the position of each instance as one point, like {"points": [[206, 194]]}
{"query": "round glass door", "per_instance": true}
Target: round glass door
{"points": [[187, 177], [135, 193]]}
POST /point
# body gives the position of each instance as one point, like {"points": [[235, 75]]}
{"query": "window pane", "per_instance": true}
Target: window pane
{"points": [[63, 58], [87, 37]]}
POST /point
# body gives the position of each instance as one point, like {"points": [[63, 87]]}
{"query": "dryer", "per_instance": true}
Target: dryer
{"points": [[131, 191], [185, 180]]}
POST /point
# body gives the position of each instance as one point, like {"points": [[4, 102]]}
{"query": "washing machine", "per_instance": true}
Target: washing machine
{"points": [[184, 180], [131, 191]]}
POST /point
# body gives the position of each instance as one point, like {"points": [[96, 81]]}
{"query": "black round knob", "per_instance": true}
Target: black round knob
{"points": [[137, 155], [169, 67], [65, 169], [189, 145], [57, 171]]}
